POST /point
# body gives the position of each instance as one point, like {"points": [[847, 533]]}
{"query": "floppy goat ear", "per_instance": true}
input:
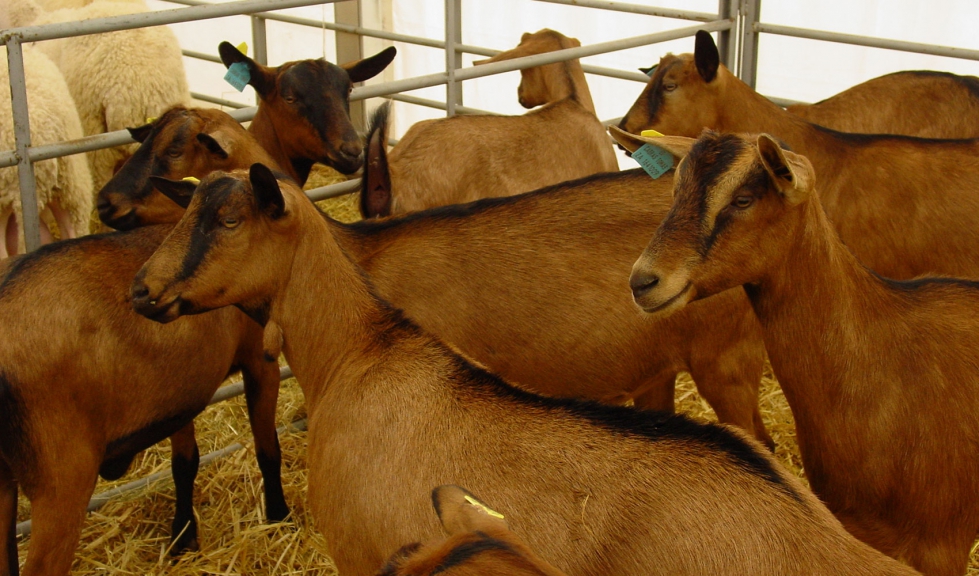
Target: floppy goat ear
{"points": [[679, 146], [141, 133], [791, 173], [180, 191], [212, 145], [266, 190], [461, 512]]}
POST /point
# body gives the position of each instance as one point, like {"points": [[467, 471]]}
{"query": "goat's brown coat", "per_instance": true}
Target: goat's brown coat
{"points": [[464, 158], [918, 103], [881, 375], [471, 274], [85, 384], [893, 199], [597, 490], [478, 544]]}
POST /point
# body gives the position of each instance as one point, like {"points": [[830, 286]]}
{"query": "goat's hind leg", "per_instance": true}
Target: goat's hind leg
{"points": [[262, 394], [8, 522], [185, 460]]}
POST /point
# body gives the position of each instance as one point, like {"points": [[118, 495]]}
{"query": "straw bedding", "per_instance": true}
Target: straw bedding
{"points": [[130, 535]]}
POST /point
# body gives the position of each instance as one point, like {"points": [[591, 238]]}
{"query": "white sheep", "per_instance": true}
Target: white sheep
{"points": [[64, 185], [117, 79]]}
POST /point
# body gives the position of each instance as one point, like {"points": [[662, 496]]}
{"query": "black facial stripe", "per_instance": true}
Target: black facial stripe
{"points": [[756, 183], [467, 550], [319, 87], [655, 96], [201, 236], [709, 158]]}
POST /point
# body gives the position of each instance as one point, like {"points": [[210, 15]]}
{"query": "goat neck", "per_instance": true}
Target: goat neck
{"points": [[264, 130]]}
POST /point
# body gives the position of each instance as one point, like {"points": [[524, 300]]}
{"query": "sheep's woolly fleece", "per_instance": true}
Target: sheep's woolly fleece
{"points": [[62, 183], [119, 79]]}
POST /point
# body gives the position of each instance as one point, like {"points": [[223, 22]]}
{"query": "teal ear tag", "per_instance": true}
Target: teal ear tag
{"points": [[655, 161], [238, 75]]}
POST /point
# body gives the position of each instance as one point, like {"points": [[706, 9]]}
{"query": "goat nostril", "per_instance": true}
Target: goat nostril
{"points": [[642, 283], [140, 292], [351, 150]]}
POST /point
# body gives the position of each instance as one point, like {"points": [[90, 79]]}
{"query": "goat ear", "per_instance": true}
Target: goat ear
{"points": [[679, 146], [141, 133], [791, 173], [706, 56], [266, 190], [461, 512], [180, 191], [371, 66], [212, 145], [261, 78]]}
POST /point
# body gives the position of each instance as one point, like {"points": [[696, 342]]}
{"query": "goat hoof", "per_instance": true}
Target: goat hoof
{"points": [[277, 513], [185, 542]]}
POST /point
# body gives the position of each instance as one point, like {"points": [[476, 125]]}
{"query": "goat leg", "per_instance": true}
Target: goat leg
{"points": [[185, 460], [8, 522], [261, 395]]}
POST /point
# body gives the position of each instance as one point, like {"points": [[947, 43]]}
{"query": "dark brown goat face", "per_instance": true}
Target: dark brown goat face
{"points": [[308, 103], [479, 543], [733, 196], [181, 143], [223, 251], [678, 99]]}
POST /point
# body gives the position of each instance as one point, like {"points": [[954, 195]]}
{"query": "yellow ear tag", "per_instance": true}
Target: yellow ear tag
{"points": [[483, 507], [191, 179], [243, 48], [151, 120], [650, 134]]}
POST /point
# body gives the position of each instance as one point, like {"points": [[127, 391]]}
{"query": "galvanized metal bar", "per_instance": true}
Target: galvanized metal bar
{"points": [[750, 14], [453, 27], [637, 9], [216, 100], [438, 105], [103, 498], [333, 190], [727, 39], [30, 219], [201, 56], [869, 41], [259, 40], [144, 19], [350, 47]]}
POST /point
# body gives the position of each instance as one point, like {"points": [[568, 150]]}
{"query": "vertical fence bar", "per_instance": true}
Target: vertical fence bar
{"points": [[350, 47], [727, 39], [259, 44], [22, 138], [750, 13], [453, 57]]}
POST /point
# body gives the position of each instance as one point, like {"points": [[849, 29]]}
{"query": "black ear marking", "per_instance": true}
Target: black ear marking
{"points": [[180, 191], [371, 66], [706, 56], [212, 145], [266, 190], [141, 133]]}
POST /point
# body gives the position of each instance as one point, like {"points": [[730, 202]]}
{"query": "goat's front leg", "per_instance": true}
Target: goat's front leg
{"points": [[185, 460], [261, 379], [8, 522]]}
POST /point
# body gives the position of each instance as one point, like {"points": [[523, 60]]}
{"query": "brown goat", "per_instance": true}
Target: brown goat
{"points": [[480, 543], [598, 490], [881, 375], [459, 159], [463, 273], [918, 103], [305, 110], [86, 384], [892, 199]]}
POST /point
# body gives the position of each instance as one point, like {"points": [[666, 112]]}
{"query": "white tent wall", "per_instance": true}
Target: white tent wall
{"points": [[790, 68]]}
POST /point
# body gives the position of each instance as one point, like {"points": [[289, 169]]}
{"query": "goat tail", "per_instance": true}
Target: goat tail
{"points": [[375, 191]]}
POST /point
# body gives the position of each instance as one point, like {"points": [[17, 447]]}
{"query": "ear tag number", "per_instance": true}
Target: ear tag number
{"points": [[483, 507], [655, 161], [238, 76]]}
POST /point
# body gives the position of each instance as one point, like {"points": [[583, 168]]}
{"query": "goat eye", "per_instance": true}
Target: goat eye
{"points": [[743, 202], [290, 99], [229, 222], [175, 153], [669, 87]]}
